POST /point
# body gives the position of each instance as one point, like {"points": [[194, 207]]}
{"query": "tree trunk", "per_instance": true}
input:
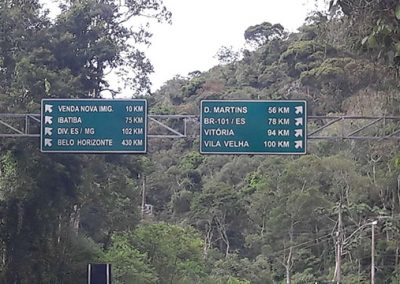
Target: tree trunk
{"points": [[207, 239], [289, 261], [59, 231], [223, 234], [75, 219], [288, 267], [339, 244]]}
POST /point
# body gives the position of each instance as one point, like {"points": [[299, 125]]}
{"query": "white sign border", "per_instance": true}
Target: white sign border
{"points": [[93, 152], [254, 153]]}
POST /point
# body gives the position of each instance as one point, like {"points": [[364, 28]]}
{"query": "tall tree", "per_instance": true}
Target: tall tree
{"points": [[260, 34], [43, 197]]}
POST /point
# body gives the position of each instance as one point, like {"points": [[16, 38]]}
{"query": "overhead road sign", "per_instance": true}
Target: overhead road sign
{"points": [[253, 127], [93, 126]]}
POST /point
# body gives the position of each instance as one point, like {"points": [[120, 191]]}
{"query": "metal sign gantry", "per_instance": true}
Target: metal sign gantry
{"points": [[354, 127], [187, 126], [19, 125]]}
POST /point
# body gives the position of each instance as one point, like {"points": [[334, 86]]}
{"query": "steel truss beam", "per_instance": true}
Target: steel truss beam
{"points": [[19, 125], [353, 127], [172, 126], [183, 126]]}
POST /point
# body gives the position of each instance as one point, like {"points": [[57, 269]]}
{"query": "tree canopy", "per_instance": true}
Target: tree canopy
{"points": [[215, 218]]}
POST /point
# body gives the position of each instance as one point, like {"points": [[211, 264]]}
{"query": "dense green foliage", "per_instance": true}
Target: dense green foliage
{"points": [[216, 219]]}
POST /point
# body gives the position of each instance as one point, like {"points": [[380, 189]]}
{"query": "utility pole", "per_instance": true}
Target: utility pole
{"points": [[342, 242], [373, 252]]}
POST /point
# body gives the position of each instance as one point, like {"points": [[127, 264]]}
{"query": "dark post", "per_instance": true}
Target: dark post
{"points": [[99, 274]]}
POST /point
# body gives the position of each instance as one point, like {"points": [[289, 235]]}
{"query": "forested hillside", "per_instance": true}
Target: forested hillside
{"points": [[216, 218]]}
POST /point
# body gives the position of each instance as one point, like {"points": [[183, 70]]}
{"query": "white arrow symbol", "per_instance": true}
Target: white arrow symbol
{"points": [[48, 108], [298, 121], [48, 142], [298, 132], [298, 109], [298, 144], [48, 120], [48, 131]]}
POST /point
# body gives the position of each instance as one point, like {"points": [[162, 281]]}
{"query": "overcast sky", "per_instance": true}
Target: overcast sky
{"points": [[200, 27]]}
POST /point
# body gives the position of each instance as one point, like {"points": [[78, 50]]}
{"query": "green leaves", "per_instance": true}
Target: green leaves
{"points": [[372, 42], [397, 49], [157, 253], [260, 34], [128, 264], [375, 26], [47, 87], [397, 12], [43, 198], [250, 210]]}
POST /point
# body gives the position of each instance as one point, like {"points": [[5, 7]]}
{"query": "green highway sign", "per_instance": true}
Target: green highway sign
{"points": [[253, 127], [93, 126]]}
